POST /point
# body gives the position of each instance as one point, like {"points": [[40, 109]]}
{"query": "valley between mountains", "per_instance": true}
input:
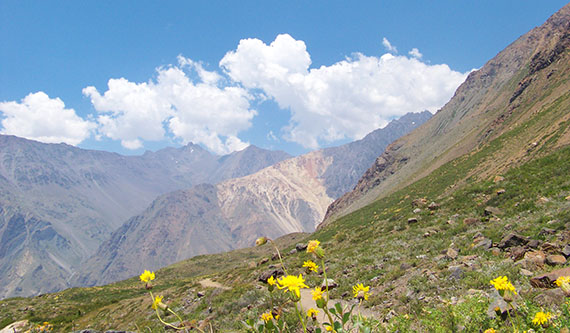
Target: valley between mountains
{"points": [[478, 191]]}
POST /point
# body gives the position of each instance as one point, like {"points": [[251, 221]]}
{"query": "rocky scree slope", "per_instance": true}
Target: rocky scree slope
{"points": [[58, 203], [526, 80], [290, 196]]}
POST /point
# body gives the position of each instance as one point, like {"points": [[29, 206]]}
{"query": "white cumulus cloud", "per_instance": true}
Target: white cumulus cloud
{"points": [[205, 111], [345, 100], [41, 118]]}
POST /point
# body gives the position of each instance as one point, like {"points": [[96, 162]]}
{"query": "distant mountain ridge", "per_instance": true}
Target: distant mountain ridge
{"points": [[527, 79], [59, 202], [290, 196]]}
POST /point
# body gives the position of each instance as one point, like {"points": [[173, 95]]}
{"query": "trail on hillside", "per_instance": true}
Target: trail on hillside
{"points": [[208, 283]]}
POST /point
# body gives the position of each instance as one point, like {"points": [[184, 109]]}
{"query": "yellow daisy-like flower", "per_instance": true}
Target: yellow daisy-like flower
{"points": [[292, 283], [360, 291], [147, 276], [157, 302], [271, 280], [312, 313], [267, 316], [329, 328], [541, 318], [312, 246], [311, 266], [317, 293], [490, 330], [562, 280], [502, 283]]}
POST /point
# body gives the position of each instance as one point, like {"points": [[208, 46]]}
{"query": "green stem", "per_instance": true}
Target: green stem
{"points": [[326, 307], [300, 318], [359, 304], [515, 329], [165, 323]]}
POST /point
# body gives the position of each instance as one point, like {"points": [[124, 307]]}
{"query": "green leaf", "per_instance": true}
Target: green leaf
{"points": [[345, 318], [338, 308], [332, 310]]}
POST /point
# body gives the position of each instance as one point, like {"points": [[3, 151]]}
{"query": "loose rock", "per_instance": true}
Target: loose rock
{"points": [[300, 247], [556, 259], [433, 206], [412, 220], [547, 280], [511, 240], [471, 221]]}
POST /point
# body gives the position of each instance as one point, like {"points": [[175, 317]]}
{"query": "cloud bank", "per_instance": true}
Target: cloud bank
{"points": [[41, 118], [345, 100], [187, 103]]}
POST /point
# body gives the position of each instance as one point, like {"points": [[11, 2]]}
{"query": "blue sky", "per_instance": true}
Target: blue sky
{"points": [[292, 75]]}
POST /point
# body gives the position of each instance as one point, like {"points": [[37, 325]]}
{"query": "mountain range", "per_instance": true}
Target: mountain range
{"points": [[58, 203], [289, 196]]}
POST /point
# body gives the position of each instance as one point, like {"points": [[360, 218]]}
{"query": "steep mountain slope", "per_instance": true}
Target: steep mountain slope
{"points": [[526, 79], [59, 202], [287, 197]]}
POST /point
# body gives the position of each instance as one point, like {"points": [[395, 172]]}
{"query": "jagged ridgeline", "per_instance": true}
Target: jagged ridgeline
{"points": [[478, 192]]}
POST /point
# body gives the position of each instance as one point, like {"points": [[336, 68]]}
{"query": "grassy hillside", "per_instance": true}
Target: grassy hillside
{"points": [[417, 283]]}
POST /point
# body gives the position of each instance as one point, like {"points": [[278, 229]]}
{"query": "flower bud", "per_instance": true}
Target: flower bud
{"points": [[260, 241]]}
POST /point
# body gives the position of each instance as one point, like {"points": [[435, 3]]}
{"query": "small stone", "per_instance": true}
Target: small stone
{"points": [[547, 231], [252, 264], [550, 298], [484, 243], [456, 272], [566, 251], [275, 256], [301, 247], [391, 314], [501, 191], [200, 294], [495, 251], [511, 240], [526, 272], [267, 274], [345, 294], [263, 261], [568, 198], [412, 220], [536, 257], [534, 243], [293, 251], [547, 280], [518, 252], [452, 253], [331, 283], [471, 221], [433, 206], [421, 202], [543, 200], [417, 211], [489, 210], [549, 247], [555, 259]]}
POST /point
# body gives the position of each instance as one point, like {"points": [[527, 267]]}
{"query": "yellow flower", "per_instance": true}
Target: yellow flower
{"points": [[360, 291], [293, 283], [317, 293], [490, 330], [147, 276], [541, 318], [312, 246], [312, 313], [157, 302], [562, 280], [329, 328], [271, 280], [502, 283], [311, 266], [267, 316]]}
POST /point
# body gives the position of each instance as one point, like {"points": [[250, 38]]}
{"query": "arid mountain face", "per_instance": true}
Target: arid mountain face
{"points": [[290, 196], [527, 85], [58, 203]]}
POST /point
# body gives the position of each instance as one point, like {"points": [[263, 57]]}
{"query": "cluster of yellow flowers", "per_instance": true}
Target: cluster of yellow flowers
{"points": [[502, 283], [541, 318], [292, 283], [311, 266]]}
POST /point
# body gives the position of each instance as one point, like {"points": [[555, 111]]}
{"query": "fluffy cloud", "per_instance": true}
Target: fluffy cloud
{"points": [[39, 117], [345, 100], [203, 112], [415, 53]]}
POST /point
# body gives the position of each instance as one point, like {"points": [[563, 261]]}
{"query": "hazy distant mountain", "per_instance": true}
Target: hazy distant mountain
{"points": [[289, 196], [526, 79], [58, 202]]}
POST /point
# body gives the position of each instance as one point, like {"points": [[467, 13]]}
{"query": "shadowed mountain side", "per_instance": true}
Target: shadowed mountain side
{"points": [[84, 196], [290, 196], [526, 79]]}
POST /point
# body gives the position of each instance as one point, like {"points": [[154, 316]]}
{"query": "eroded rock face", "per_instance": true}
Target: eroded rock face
{"points": [[547, 280]]}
